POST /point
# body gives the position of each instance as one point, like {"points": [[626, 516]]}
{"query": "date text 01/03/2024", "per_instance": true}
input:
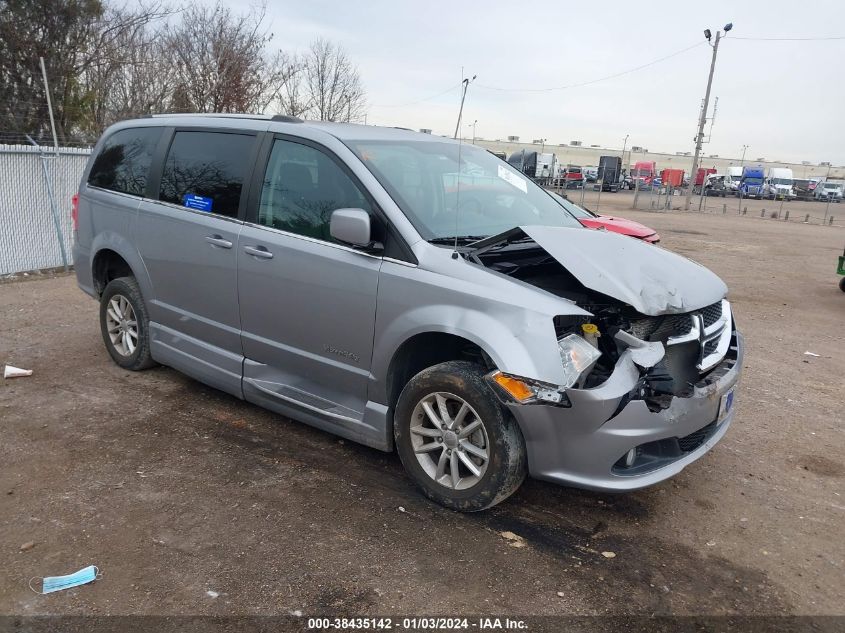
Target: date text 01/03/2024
{"points": [[415, 623]]}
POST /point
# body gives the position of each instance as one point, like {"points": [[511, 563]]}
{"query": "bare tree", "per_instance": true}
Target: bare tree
{"points": [[332, 83], [293, 99], [72, 36], [108, 61], [130, 78], [227, 68]]}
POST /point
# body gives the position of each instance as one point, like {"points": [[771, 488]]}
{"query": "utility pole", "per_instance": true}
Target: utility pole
{"points": [[702, 119], [624, 145], [742, 161], [49, 106]]}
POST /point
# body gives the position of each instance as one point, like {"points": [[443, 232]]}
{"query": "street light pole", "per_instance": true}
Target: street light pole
{"points": [[465, 83], [472, 125], [699, 138], [624, 145]]}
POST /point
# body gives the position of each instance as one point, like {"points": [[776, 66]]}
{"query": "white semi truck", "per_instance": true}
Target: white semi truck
{"points": [[733, 179], [827, 190], [779, 183]]}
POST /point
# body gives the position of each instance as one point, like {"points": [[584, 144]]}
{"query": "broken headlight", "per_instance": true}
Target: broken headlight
{"points": [[577, 357]]}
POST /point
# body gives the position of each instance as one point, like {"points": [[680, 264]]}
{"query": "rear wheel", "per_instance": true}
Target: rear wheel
{"points": [[125, 325], [455, 440], [842, 284]]}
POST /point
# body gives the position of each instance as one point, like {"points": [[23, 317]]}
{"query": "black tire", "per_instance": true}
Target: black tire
{"points": [[842, 284], [507, 463], [139, 358]]}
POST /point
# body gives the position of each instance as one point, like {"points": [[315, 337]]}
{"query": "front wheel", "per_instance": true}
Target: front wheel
{"points": [[455, 440], [842, 284], [125, 325]]}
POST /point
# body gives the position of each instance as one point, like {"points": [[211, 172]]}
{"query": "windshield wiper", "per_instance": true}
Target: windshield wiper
{"points": [[461, 239], [511, 236]]}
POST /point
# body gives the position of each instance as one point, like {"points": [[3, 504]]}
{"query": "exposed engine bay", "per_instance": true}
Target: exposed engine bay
{"points": [[682, 347]]}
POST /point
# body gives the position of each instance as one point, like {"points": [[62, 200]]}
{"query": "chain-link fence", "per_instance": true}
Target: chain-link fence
{"points": [[36, 187], [808, 211]]}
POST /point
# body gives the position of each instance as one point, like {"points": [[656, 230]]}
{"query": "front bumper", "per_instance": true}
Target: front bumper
{"points": [[582, 445]]}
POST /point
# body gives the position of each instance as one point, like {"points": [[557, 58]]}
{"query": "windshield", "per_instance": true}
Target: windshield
{"points": [[574, 209], [423, 178], [782, 181], [642, 171]]}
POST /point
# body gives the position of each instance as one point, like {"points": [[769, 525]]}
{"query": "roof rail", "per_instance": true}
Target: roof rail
{"points": [[284, 118], [211, 115]]}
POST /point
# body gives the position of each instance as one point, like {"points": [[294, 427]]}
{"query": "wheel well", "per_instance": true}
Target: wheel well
{"points": [[108, 265], [425, 350]]}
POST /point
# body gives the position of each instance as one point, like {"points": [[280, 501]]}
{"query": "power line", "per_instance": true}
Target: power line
{"points": [[593, 81], [789, 39], [434, 96]]}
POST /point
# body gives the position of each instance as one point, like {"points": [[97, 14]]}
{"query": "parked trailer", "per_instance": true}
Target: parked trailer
{"points": [[610, 173], [672, 178]]}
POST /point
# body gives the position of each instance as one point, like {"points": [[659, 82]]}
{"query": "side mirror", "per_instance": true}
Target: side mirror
{"points": [[351, 226]]}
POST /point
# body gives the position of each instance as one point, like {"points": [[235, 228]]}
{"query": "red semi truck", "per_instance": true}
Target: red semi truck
{"points": [[644, 172]]}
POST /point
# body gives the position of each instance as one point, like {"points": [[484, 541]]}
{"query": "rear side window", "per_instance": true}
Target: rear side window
{"points": [[205, 171], [123, 163]]}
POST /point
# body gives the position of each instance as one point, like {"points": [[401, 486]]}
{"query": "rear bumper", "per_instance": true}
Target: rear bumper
{"points": [[82, 266], [583, 445]]}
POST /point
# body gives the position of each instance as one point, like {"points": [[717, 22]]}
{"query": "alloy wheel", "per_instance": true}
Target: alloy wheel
{"points": [[122, 325], [449, 440]]}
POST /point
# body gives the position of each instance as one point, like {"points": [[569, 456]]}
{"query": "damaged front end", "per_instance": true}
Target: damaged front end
{"points": [[651, 396]]}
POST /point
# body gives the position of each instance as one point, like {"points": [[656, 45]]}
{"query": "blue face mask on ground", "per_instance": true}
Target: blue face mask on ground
{"points": [[57, 583]]}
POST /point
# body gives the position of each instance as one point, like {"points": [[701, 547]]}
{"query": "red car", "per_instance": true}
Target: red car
{"points": [[609, 222]]}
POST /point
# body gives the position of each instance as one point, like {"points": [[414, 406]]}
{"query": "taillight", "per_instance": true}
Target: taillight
{"points": [[74, 211]]}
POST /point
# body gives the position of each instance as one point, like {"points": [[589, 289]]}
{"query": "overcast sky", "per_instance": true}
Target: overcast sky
{"points": [[785, 99]]}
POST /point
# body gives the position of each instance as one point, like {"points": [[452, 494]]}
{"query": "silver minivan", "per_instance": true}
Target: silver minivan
{"points": [[407, 292]]}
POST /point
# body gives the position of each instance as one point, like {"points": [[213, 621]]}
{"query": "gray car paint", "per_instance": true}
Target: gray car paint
{"points": [[376, 304]]}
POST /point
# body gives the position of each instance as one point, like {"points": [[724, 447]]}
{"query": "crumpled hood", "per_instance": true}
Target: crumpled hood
{"points": [[650, 279]]}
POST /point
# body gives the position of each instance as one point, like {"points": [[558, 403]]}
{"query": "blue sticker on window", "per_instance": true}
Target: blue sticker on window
{"points": [[196, 202]]}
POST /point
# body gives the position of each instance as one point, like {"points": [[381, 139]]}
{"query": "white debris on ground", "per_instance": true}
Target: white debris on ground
{"points": [[10, 371]]}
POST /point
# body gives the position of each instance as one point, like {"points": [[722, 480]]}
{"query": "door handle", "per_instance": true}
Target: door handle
{"points": [[218, 240], [258, 251]]}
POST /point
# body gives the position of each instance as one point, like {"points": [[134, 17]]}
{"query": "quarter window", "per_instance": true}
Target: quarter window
{"points": [[123, 163], [302, 187], [205, 171]]}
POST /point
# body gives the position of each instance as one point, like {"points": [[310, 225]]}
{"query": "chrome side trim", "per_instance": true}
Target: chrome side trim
{"points": [[299, 403]]}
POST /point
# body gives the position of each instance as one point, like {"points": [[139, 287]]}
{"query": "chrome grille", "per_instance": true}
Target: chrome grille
{"points": [[708, 328], [662, 327], [711, 314]]}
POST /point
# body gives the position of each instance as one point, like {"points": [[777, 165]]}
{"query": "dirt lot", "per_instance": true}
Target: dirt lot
{"points": [[191, 501]]}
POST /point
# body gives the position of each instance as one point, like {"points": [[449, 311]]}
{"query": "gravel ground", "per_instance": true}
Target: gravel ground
{"points": [[192, 502]]}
